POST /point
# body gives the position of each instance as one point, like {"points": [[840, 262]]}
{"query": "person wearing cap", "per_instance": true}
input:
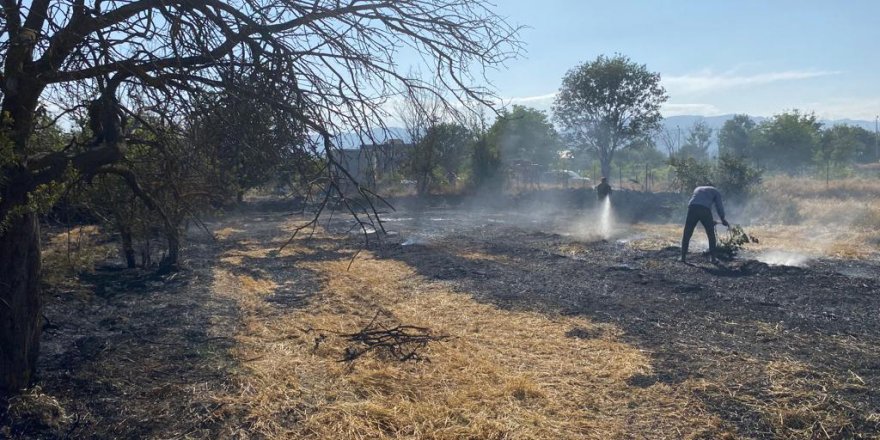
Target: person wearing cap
{"points": [[603, 189], [700, 211]]}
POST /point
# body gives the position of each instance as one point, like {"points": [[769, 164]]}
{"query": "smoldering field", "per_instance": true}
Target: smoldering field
{"points": [[797, 221], [555, 328]]}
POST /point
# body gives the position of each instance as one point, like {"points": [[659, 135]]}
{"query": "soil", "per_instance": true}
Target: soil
{"points": [[141, 356]]}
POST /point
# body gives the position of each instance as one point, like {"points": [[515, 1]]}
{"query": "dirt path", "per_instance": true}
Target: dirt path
{"points": [[550, 337]]}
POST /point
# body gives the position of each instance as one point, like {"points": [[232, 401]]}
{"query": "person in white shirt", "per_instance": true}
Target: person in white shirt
{"points": [[700, 211]]}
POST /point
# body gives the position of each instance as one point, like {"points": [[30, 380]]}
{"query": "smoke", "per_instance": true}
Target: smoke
{"points": [[803, 219], [782, 258]]}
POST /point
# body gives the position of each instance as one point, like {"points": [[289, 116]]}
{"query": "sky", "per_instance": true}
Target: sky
{"points": [[714, 56]]}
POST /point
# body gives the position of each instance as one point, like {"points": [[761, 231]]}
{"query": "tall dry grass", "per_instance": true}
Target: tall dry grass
{"points": [[840, 219]]}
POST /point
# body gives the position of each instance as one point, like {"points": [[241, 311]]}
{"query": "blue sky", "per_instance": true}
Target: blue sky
{"points": [[715, 57]]}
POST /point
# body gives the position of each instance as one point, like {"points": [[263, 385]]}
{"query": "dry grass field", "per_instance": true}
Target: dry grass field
{"points": [[526, 334], [501, 373]]}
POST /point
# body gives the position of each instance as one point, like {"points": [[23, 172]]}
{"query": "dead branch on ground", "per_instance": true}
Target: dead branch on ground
{"points": [[401, 342]]}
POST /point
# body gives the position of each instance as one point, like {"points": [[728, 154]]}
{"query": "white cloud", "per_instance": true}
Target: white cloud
{"points": [[540, 98], [709, 81], [540, 102]]}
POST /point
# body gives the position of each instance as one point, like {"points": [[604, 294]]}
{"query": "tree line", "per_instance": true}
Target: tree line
{"points": [[607, 112], [792, 142]]}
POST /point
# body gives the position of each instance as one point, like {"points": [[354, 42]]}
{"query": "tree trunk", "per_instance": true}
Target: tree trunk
{"points": [[171, 260], [606, 167], [20, 302], [127, 246]]}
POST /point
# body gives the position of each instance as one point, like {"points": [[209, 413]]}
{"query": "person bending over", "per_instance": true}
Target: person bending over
{"points": [[700, 211]]}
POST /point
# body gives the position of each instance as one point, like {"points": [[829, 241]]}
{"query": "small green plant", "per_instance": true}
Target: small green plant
{"points": [[736, 239]]}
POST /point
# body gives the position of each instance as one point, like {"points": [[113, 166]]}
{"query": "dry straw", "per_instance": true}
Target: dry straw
{"points": [[503, 374]]}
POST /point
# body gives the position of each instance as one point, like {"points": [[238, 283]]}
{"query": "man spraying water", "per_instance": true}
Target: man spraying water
{"points": [[603, 191], [700, 211]]}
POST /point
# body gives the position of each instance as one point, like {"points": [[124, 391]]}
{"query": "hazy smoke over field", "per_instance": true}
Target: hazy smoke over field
{"points": [[797, 224], [800, 219], [782, 258]]}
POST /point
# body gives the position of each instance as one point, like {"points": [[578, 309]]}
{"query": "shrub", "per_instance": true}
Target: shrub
{"points": [[732, 175], [689, 173], [733, 242], [735, 178]]}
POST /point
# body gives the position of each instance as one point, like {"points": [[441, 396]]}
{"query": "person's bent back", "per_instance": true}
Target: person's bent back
{"points": [[700, 211]]}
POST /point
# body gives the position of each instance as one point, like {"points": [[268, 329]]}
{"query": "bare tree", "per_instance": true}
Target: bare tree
{"points": [[420, 111], [671, 140], [335, 60]]}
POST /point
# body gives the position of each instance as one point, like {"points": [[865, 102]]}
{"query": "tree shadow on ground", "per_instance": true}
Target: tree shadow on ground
{"points": [[142, 357]]}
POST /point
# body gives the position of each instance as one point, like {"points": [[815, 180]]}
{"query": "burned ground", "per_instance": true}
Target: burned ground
{"points": [[722, 323], [767, 351]]}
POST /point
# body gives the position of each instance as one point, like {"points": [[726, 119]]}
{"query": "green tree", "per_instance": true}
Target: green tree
{"points": [[608, 103], [246, 139], [486, 171], [734, 177], [689, 173], [525, 134], [865, 143], [735, 136], [731, 175], [787, 141], [696, 143], [338, 59], [439, 155], [837, 147]]}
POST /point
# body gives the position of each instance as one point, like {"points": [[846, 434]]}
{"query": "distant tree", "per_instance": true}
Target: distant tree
{"points": [[643, 152], [246, 139], [689, 173], [865, 144], [606, 104], [526, 134], [486, 170], [670, 139], [731, 175], [787, 141], [735, 136], [454, 144], [110, 199], [439, 155], [836, 148], [735, 177], [697, 141], [420, 111]]}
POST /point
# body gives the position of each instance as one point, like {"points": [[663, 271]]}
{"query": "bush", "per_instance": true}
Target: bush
{"points": [[735, 178], [733, 242], [731, 175], [689, 173]]}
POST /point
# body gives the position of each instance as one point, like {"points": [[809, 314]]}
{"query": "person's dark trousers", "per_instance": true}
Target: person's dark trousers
{"points": [[698, 214]]}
